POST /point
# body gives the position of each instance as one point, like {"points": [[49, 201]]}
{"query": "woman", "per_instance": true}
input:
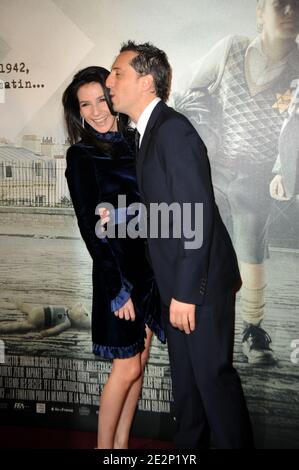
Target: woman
{"points": [[100, 167]]}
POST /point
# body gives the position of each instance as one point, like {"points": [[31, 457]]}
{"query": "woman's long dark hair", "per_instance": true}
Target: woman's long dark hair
{"points": [[72, 115]]}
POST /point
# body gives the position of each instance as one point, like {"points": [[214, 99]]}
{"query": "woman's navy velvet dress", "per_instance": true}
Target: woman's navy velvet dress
{"points": [[120, 266]]}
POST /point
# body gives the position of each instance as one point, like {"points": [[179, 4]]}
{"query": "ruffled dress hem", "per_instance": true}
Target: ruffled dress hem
{"points": [[124, 352], [118, 352]]}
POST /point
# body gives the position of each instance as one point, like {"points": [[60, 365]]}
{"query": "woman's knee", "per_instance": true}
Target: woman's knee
{"points": [[130, 370]]}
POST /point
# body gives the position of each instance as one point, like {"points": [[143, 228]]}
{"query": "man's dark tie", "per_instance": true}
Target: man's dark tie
{"points": [[137, 139]]}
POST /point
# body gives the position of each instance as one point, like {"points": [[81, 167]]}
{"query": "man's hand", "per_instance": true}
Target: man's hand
{"points": [[277, 190], [126, 311], [182, 316]]}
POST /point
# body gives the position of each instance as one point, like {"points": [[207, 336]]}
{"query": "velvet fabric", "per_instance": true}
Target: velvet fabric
{"points": [[120, 265]]}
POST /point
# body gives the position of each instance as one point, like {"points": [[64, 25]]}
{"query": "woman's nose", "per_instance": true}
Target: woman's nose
{"points": [[95, 110]]}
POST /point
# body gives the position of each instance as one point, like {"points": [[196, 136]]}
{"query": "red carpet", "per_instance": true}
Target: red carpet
{"points": [[12, 437]]}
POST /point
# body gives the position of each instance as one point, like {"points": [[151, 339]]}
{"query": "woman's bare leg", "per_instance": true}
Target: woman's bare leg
{"points": [[121, 439], [125, 372]]}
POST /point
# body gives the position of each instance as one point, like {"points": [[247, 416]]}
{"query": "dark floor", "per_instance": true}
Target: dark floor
{"points": [[12, 437]]}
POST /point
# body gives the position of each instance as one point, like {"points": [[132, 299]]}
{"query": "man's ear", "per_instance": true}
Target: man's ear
{"points": [[148, 83]]}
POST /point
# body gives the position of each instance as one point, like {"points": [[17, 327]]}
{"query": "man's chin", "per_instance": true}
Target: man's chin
{"points": [[118, 109], [115, 107]]}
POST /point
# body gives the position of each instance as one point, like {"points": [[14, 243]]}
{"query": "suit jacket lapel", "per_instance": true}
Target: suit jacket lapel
{"points": [[145, 141]]}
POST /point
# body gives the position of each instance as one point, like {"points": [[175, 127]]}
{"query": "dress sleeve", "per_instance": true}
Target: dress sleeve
{"points": [[123, 296], [86, 195]]}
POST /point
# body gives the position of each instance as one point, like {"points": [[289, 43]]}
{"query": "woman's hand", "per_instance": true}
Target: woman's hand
{"points": [[277, 190], [127, 311], [105, 216]]}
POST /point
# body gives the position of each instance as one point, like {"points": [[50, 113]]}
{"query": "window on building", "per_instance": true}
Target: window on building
{"points": [[8, 171], [38, 168], [40, 200]]}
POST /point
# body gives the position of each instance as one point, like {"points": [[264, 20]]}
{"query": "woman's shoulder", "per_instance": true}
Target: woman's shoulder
{"points": [[123, 143], [83, 149], [76, 149], [79, 154]]}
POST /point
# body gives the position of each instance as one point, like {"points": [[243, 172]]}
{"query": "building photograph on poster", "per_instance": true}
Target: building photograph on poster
{"points": [[235, 76]]}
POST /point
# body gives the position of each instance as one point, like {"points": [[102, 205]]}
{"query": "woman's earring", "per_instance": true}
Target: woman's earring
{"points": [[82, 121], [117, 117]]}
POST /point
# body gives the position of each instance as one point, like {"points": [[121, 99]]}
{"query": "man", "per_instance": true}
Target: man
{"points": [[238, 97], [197, 286]]}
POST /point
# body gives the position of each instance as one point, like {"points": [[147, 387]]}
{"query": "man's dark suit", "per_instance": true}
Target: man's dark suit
{"points": [[172, 166]]}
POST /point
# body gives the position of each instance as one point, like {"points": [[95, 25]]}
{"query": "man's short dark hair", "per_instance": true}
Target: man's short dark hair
{"points": [[153, 61]]}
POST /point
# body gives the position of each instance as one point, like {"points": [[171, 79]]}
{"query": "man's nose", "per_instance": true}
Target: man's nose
{"points": [[109, 81]]}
